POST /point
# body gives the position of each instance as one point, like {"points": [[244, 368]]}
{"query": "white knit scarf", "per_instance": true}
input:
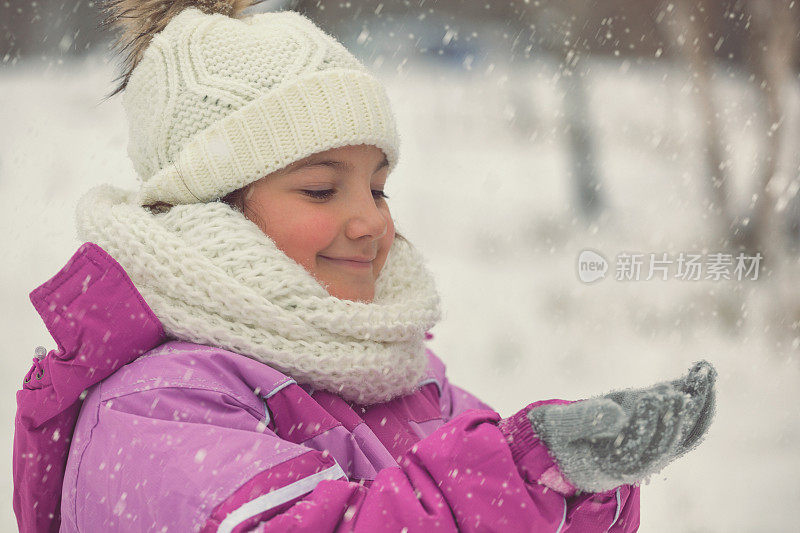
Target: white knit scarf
{"points": [[212, 277]]}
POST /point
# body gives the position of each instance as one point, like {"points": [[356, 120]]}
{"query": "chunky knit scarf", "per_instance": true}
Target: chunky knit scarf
{"points": [[212, 277]]}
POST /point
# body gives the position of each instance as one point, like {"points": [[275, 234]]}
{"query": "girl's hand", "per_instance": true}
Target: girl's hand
{"points": [[625, 436]]}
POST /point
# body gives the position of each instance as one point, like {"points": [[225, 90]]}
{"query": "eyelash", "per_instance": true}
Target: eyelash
{"points": [[326, 194]]}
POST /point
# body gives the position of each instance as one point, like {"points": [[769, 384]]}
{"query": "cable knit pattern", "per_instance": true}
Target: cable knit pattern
{"points": [[213, 277], [218, 102]]}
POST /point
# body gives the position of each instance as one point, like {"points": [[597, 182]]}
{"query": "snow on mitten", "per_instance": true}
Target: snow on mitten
{"points": [[698, 386], [625, 436]]}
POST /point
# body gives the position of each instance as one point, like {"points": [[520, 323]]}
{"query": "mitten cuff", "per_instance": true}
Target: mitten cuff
{"points": [[530, 454], [518, 431]]}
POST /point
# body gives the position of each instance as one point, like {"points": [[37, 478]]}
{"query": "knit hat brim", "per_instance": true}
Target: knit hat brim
{"points": [[314, 113]]}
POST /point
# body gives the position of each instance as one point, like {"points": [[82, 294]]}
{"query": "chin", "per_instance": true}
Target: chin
{"points": [[363, 299], [355, 296]]}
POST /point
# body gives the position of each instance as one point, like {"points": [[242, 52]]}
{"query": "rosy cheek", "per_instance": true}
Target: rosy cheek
{"points": [[317, 227], [297, 230], [307, 235]]}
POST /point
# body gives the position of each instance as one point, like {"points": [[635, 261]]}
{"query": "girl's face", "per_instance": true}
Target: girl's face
{"points": [[328, 213]]}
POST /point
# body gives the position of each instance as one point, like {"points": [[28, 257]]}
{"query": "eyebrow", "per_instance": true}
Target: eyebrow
{"points": [[338, 165]]}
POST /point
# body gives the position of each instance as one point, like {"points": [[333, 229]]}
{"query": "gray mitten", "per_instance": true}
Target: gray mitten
{"points": [[625, 436]]}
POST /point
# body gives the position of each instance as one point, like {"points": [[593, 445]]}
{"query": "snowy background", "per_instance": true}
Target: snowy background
{"points": [[487, 201]]}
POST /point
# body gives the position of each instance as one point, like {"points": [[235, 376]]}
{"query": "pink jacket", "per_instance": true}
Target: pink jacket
{"points": [[189, 437]]}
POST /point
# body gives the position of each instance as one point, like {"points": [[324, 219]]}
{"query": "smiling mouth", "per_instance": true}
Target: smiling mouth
{"points": [[361, 265]]}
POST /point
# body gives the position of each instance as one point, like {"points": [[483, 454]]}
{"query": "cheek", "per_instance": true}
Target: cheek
{"points": [[389, 237], [386, 242], [300, 233], [312, 233]]}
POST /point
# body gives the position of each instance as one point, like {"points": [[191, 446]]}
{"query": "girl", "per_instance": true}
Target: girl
{"points": [[241, 342]]}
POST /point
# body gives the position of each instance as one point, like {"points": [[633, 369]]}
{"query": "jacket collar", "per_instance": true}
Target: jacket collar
{"points": [[99, 322]]}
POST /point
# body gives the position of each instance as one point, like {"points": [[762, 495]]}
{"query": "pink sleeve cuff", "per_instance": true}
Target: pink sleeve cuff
{"points": [[530, 454]]}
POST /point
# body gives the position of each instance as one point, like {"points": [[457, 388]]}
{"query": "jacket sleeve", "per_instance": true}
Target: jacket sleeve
{"points": [[463, 477], [475, 473], [582, 512]]}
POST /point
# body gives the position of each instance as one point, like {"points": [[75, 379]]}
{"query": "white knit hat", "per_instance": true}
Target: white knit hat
{"points": [[215, 103]]}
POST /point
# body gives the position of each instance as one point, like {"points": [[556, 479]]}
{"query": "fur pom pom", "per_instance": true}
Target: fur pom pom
{"points": [[140, 20]]}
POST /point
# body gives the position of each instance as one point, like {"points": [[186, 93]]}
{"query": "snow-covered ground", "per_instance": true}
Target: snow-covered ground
{"points": [[488, 203]]}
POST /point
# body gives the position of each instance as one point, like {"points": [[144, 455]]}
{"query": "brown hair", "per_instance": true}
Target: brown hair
{"points": [[238, 200]]}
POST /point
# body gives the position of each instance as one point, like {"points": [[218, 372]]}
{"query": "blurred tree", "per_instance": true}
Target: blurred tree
{"points": [[773, 40], [570, 31], [686, 26], [769, 52]]}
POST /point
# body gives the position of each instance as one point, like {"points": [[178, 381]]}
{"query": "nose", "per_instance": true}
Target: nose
{"points": [[365, 217]]}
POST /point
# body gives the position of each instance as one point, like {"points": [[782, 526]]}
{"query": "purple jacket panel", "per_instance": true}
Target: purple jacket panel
{"points": [[99, 322]]}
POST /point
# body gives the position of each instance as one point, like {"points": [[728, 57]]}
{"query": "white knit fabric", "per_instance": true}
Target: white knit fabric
{"points": [[217, 102], [213, 277]]}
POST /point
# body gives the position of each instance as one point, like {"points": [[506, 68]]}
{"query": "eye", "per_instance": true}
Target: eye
{"points": [[319, 195], [327, 193]]}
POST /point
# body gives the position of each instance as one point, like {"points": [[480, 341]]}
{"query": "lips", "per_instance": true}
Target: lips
{"points": [[354, 259], [355, 262]]}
